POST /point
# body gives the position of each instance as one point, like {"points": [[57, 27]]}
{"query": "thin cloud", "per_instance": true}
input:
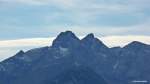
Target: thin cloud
{"points": [[10, 47], [26, 42], [121, 41]]}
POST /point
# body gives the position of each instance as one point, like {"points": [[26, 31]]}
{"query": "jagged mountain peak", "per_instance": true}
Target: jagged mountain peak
{"points": [[90, 36], [135, 44], [91, 41], [21, 52], [65, 39], [67, 34]]}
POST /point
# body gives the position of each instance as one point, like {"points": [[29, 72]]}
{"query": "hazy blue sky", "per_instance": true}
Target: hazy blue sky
{"points": [[46, 18]]}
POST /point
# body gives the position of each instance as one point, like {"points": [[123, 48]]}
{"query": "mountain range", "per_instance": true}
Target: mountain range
{"points": [[70, 60]]}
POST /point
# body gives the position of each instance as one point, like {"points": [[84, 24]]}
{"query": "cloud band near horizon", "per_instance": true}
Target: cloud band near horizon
{"points": [[7, 50]]}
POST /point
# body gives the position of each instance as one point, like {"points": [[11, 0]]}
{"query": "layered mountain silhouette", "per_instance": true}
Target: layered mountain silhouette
{"points": [[70, 60]]}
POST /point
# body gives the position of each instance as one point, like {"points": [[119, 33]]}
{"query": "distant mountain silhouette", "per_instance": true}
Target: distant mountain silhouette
{"points": [[70, 60]]}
